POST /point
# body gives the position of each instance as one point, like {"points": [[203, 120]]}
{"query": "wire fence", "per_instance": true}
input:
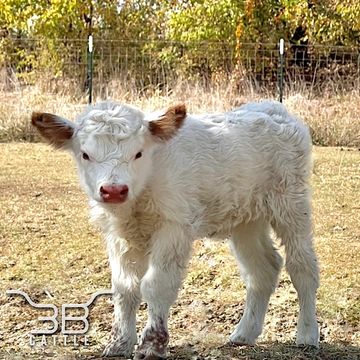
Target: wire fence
{"points": [[161, 64]]}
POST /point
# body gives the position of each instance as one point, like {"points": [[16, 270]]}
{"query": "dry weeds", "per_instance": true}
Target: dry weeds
{"points": [[333, 117], [49, 250]]}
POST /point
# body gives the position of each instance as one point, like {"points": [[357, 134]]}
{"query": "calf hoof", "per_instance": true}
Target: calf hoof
{"points": [[118, 347], [140, 356], [240, 337], [308, 341], [153, 344], [308, 334], [241, 341]]}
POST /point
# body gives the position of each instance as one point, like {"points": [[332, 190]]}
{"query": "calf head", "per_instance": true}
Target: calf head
{"points": [[112, 144]]}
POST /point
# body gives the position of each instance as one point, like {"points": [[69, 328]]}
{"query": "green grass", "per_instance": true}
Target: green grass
{"points": [[49, 250]]}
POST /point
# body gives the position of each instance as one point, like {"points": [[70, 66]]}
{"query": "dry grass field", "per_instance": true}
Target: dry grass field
{"points": [[333, 116], [49, 250]]}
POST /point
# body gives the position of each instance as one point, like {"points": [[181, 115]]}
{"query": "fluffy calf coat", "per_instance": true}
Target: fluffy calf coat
{"points": [[156, 182]]}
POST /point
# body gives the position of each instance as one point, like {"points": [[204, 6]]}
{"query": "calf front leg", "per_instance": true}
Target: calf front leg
{"points": [[168, 260], [127, 268]]}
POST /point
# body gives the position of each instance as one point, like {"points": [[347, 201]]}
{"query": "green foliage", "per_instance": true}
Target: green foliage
{"points": [[54, 23], [324, 21], [224, 25], [204, 20]]}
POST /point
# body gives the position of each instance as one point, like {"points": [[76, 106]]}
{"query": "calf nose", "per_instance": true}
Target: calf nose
{"points": [[114, 193]]}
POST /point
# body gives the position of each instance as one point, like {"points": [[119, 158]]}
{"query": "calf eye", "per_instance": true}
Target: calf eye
{"points": [[85, 156], [138, 155]]}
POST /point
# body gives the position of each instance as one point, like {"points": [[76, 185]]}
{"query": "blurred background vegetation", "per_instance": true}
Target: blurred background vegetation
{"points": [[335, 22], [213, 55], [145, 40]]}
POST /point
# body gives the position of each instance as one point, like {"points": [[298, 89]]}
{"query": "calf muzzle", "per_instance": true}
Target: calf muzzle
{"points": [[114, 194]]}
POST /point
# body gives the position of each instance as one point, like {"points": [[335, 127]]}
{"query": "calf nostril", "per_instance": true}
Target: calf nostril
{"points": [[102, 190], [124, 190]]}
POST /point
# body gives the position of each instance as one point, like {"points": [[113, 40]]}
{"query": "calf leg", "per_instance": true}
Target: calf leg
{"points": [[260, 265], [295, 229], [159, 287], [128, 267]]}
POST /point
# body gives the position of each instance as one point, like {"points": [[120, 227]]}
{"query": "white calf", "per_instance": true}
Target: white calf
{"points": [[157, 182]]}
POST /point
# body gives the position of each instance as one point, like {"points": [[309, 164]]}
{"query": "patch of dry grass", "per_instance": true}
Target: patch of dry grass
{"points": [[334, 118], [49, 250]]}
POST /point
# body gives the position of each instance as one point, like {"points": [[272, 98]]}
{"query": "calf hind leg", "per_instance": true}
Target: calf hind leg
{"points": [[295, 230], [260, 265]]}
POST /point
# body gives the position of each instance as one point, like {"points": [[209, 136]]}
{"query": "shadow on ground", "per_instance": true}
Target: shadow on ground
{"points": [[264, 351]]}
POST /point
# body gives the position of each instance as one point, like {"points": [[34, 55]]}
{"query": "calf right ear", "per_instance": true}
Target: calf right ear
{"points": [[167, 125], [56, 130]]}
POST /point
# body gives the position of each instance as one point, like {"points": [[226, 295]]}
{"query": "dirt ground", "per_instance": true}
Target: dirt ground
{"points": [[49, 250]]}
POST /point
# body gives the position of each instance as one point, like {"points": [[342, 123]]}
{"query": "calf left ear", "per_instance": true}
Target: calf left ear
{"points": [[56, 130], [166, 126]]}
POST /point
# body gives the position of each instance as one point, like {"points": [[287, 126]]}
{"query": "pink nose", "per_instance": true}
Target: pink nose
{"points": [[114, 193]]}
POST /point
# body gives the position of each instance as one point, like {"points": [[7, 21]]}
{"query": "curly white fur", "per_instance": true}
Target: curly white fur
{"points": [[230, 175]]}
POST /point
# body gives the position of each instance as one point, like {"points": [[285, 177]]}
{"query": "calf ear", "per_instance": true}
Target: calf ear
{"points": [[56, 130], [166, 126]]}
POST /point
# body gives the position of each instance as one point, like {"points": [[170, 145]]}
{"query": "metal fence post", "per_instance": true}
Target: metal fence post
{"points": [[90, 67], [281, 69]]}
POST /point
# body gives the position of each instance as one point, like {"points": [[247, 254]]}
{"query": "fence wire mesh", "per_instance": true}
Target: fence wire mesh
{"points": [[160, 64]]}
